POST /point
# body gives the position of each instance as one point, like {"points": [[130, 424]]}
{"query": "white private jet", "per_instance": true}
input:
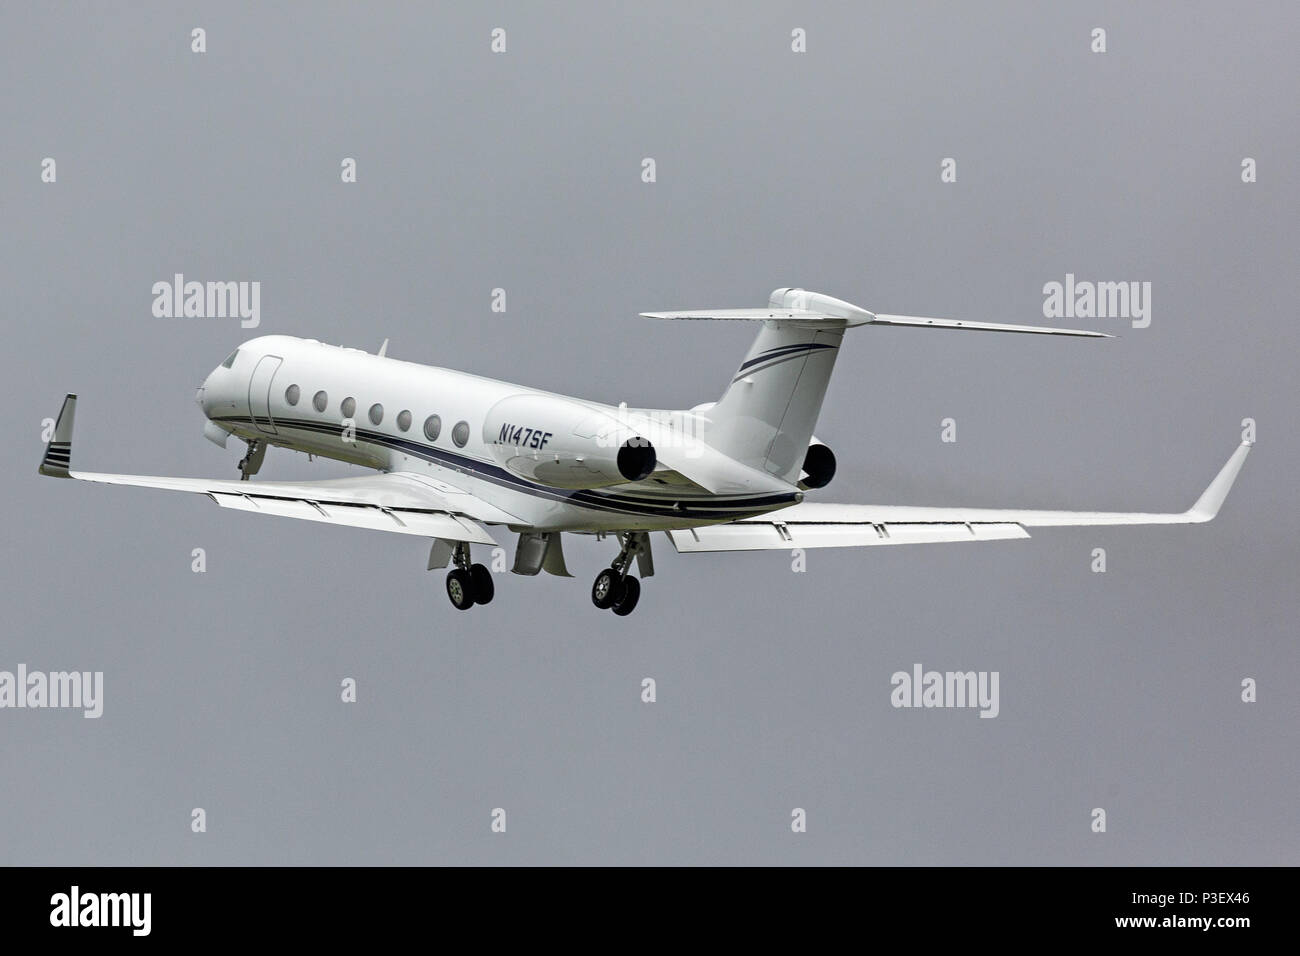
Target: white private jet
{"points": [[457, 452]]}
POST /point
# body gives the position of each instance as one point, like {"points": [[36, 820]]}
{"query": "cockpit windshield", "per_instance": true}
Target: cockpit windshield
{"points": [[230, 359]]}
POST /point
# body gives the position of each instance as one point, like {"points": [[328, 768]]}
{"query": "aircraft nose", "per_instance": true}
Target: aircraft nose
{"points": [[203, 394]]}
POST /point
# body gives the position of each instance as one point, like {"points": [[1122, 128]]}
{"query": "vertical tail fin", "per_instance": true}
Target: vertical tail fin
{"points": [[766, 416]]}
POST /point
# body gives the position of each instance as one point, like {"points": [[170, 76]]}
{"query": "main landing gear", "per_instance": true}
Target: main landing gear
{"points": [[468, 584], [615, 589]]}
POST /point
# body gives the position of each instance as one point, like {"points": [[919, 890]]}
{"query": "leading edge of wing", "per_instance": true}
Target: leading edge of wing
{"points": [[398, 502]]}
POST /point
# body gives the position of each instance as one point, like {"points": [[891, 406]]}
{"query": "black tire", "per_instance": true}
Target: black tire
{"points": [[605, 590], [631, 594], [460, 589], [484, 589]]}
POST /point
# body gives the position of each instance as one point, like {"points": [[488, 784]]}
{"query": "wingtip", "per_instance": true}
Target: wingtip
{"points": [[1207, 506], [58, 451]]}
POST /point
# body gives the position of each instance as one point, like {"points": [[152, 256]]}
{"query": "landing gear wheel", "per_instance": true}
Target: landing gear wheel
{"points": [[482, 586], [460, 588], [631, 594], [605, 591]]}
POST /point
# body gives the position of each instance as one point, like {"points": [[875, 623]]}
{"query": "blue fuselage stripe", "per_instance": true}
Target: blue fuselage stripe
{"points": [[621, 503], [784, 350]]}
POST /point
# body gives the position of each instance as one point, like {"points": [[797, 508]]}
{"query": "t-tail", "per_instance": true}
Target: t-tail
{"points": [[767, 414]]}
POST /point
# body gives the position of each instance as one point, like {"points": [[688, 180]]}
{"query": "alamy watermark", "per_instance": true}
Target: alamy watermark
{"points": [[75, 908], [946, 689], [82, 690], [1084, 299], [179, 299], [671, 429]]}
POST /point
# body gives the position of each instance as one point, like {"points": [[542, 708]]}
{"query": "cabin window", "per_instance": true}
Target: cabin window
{"points": [[460, 434], [376, 413], [291, 394], [349, 407], [404, 420], [230, 359], [320, 401], [432, 425]]}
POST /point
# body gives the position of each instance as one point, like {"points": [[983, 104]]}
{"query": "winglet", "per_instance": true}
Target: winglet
{"points": [[1207, 506], [58, 452]]}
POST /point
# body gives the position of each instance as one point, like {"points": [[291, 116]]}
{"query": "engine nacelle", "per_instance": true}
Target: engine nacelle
{"points": [[818, 466], [215, 433], [565, 444]]}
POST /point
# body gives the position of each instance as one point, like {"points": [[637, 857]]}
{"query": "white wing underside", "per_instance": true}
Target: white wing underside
{"points": [[398, 502], [816, 525]]}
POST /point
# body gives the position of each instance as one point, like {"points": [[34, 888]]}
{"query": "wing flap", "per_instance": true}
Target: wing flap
{"points": [[776, 535], [373, 517]]}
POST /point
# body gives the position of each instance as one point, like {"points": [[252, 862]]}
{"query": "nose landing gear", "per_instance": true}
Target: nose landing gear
{"points": [[468, 584], [614, 589], [251, 463]]}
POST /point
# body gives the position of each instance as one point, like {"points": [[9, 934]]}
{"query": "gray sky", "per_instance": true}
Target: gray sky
{"points": [[522, 170]]}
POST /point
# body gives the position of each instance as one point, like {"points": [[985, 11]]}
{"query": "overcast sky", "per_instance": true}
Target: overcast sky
{"points": [[523, 170]]}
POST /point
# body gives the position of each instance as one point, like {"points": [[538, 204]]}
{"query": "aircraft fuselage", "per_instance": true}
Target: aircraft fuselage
{"points": [[448, 426]]}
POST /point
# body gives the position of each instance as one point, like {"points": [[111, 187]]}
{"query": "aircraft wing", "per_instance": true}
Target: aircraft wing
{"points": [[400, 502], [815, 525]]}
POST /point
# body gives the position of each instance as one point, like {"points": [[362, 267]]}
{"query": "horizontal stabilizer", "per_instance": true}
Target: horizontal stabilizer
{"points": [[924, 322], [798, 306], [749, 315]]}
